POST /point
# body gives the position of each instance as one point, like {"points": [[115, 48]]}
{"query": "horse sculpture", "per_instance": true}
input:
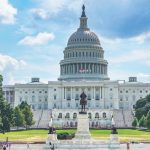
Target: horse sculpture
{"points": [[83, 101]]}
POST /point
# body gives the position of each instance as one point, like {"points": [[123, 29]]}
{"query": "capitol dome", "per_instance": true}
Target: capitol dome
{"points": [[83, 56], [83, 37]]}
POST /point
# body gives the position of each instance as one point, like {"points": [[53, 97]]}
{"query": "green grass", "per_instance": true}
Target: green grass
{"points": [[125, 135]]}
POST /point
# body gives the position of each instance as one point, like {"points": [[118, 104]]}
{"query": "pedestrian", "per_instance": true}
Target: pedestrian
{"points": [[28, 147], [128, 146], [4, 146]]}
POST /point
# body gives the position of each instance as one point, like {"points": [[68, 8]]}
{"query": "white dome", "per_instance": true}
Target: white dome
{"points": [[83, 37]]}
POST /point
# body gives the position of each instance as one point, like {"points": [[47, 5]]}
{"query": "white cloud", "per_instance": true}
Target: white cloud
{"points": [[40, 13], [40, 39], [52, 7], [135, 55], [7, 12], [10, 63], [8, 67], [141, 38]]}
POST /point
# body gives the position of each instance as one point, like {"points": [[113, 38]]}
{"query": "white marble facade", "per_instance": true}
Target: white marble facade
{"points": [[82, 69]]}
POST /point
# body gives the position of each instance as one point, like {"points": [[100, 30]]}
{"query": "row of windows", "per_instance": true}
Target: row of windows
{"points": [[33, 99], [134, 91], [26, 92], [83, 89], [82, 40], [74, 116], [83, 47], [83, 54]]}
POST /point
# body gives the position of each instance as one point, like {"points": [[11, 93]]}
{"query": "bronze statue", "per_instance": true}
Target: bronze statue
{"points": [[83, 101]]}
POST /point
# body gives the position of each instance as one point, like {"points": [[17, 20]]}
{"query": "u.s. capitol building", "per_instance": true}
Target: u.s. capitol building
{"points": [[83, 68]]}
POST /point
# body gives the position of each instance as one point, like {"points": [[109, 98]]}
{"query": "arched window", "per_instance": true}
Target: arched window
{"points": [[90, 115], [97, 115], [67, 115], [60, 115], [104, 115], [33, 98], [74, 115]]}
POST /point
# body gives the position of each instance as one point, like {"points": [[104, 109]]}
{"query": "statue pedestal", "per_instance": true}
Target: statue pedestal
{"points": [[83, 132], [114, 142], [52, 138]]}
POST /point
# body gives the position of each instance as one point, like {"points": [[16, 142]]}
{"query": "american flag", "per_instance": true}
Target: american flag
{"points": [[84, 70]]}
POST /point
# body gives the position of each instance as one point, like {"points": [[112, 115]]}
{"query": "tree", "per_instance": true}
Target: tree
{"points": [[135, 122], [148, 98], [23, 105], [28, 116], [140, 112], [6, 112], [18, 117], [140, 103], [141, 121], [148, 120]]}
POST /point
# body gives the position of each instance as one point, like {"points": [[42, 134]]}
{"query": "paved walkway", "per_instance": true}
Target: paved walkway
{"points": [[40, 146]]}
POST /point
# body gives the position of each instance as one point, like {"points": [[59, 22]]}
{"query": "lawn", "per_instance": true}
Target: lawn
{"points": [[31, 136]]}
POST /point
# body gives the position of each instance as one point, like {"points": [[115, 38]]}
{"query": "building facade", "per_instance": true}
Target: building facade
{"points": [[83, 68]]}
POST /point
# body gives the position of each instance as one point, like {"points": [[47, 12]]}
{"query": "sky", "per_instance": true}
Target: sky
{"points": [[34, 33]]}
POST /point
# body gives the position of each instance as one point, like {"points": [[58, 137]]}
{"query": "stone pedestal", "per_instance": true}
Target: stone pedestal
{"points": [[83, 132], [114, 142], [51, 138]]}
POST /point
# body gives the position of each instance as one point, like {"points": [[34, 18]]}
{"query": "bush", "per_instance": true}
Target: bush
{"points": [[65, 135]]}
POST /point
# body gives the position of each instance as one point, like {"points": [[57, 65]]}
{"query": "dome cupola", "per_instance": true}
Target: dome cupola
{"points": [[83, 35]]}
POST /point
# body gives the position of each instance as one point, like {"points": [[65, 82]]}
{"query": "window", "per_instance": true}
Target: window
{"points": [[55, 97], [33, 98], [120, 91], [77, 105], [39, 106], [90, 115], [40, 98], [111, 89], [45, 91], [54, 89], [97, 96], [45, 98], [77, 97], [68, 97], [60, 115], [126, 91], [104, 115], [89, 97], [97, 115], [68, 105], [140, 91], [74, 115], [40, 91], [67, 115]]}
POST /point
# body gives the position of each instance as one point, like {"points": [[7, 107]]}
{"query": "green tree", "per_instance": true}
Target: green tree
{"points": [[141, 121], [148, 98], [135, 122], [18, 117], [148, 120], [140, 112], [6, 112], [23, 105], [140, 103], [28, 116]]}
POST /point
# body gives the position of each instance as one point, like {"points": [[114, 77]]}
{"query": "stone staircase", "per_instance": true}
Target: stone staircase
{"points": [[123, 118], [86, 145]]}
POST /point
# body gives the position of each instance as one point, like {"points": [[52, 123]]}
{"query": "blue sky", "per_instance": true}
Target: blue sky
{"points": [[34, 33]]}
